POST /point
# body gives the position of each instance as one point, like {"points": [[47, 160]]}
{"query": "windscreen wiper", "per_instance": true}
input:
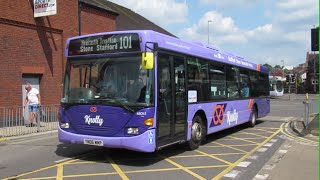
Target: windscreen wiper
{"points": [[116, 101]]}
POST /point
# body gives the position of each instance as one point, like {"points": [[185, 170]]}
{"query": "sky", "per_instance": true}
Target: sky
{"points": [[277, 32]]}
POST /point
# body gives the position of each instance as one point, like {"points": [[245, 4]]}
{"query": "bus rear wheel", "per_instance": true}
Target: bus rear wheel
{"points": [[197, 133], [253, 116]]}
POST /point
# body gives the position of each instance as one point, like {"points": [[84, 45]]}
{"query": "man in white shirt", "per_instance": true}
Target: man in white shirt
{"points": [[33, 98]]}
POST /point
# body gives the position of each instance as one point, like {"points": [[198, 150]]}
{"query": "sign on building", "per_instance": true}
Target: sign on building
{"points": [[44, 7]]}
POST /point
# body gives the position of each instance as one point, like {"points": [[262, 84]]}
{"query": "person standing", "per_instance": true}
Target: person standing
{"points": [[34, 100]]}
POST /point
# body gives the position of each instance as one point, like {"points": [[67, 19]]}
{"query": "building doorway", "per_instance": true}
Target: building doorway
{"points": [[34, 80]]}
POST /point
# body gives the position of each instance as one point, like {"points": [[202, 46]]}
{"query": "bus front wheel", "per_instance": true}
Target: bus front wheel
{"points": [[197, 133]]}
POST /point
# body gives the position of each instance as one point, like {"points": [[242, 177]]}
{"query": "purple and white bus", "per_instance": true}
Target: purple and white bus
{"points": [[143, 90]]}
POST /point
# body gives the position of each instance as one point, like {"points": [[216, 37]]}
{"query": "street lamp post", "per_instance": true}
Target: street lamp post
{"points": [[209, 21], [314, 70], [314, 74], [282, 68]]}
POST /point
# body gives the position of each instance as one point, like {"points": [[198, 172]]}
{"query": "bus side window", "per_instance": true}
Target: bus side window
{"points": [[245, 83], [217, 81], [232, 82]]}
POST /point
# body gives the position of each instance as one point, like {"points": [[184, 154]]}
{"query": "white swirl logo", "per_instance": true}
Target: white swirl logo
{"points": [[232, 117], [95, 120]]}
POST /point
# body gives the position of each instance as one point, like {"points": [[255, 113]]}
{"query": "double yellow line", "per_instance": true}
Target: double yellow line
{"points": [[284, 131]]}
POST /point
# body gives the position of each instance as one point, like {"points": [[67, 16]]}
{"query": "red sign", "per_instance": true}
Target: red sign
{"points": [[93, 109]]}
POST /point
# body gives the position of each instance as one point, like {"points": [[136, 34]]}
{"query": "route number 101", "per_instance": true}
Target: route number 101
{"points": [[125, 42]]}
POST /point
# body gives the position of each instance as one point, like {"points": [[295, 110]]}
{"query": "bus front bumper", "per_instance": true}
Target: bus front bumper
{"points": [[144, 142]]}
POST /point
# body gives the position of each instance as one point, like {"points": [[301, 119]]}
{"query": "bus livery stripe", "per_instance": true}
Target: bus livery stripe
{"points": [[258, 67], [250, 103]]}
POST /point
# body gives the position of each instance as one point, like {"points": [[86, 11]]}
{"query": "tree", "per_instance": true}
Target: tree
{"points": [[278, 66], [268, 66]]}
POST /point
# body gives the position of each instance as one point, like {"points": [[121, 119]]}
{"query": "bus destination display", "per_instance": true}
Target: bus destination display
{"points": [[104, 44]]}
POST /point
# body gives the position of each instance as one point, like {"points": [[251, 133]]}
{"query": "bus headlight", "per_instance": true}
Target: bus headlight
{"points": [[64, 125], [133, 130]]}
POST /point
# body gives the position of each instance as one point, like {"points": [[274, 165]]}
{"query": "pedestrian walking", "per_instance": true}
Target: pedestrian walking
{"points": [[34, 101]]}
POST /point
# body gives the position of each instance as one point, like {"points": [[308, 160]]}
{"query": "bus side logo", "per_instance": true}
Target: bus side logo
{"points": [[218, 115]]}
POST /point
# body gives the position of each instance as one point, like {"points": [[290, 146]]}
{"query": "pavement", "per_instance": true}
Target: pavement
{"points": [[293, 96], [298, 157]]}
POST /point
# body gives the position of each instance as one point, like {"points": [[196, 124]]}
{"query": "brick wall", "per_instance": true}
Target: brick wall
{"points": [[93, 21], [31, 45]]}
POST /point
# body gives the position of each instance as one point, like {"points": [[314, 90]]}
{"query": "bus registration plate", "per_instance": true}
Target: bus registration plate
{"points": [[93, 142]]}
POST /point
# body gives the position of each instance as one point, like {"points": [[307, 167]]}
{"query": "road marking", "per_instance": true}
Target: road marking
{"points": [[89, 175], [282, 151], [221, 174], [269, 167], [283, 128], [277, 118], [201, 155], [62, 160], [202, 167], [48, 167], [262, 177], [262, 149], [239, 145], [230, 147], [268, 145], [244, 164], [254, 134], [117, 168], [153, 170], [244, 140], [60, 172], [263, 129], [38, 170], [86, 162], [214, 157], [273, 140], [232, 174], [254, 157], [181, 167]]}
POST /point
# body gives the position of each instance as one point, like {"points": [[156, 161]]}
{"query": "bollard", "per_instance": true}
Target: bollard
{"points": [[306, 113], [38, 119]]}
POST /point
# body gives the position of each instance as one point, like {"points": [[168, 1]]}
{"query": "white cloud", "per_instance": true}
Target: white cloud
{"points": [[260, 30], [293, 11], [261, 34], [230, 3], [284, 33], [219, 28], [294, 4], [162, 13]]}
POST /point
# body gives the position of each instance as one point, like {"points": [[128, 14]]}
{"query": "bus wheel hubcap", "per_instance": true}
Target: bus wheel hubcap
{"points": [[253, 117], [196, 131]]}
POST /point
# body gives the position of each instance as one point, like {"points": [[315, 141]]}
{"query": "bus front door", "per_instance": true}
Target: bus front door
{"points": [[172, 104]]}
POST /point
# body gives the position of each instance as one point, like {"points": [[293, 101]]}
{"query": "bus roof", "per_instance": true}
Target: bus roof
{"points": [[191, 48]]}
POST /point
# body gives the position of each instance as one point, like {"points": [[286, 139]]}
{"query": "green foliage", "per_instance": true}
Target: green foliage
{"points": [[268, 66]]}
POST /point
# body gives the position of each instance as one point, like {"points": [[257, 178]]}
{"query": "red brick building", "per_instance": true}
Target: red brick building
{"points": [[312, 80], [32, 48]]}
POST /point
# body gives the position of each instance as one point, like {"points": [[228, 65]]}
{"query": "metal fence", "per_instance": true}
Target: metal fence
{"points": [[14, 121]]}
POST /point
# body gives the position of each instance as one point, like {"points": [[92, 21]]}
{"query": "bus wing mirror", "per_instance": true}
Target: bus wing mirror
{"points": [[147, 60]]}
